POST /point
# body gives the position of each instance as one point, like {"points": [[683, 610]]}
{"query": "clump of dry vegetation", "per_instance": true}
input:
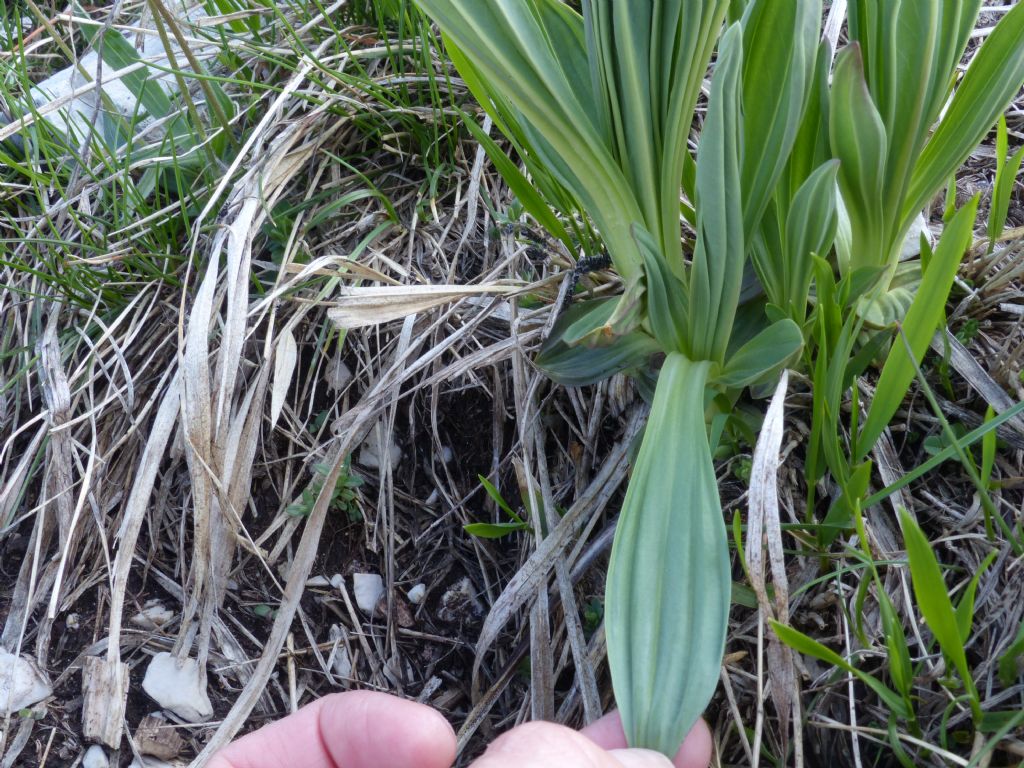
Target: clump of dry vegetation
{"points": [[272, 338]]}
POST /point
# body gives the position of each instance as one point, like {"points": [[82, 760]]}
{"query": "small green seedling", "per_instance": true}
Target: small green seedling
{"points": [[345, 498], [497, 530]]}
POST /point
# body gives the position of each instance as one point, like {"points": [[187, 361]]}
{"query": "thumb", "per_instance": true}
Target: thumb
{"points": [[640, 758]]}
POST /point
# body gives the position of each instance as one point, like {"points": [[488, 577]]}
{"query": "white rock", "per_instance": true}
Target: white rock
{"points": [[447, 454], [22, 683], [178, 687], [370, 453], [337, 581], [417, 593], [153, 615], [433, 498], [367, 589], [318, 581], [95, 757]]}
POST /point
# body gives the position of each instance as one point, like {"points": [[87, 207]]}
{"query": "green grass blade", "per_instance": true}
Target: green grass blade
{"points": [[934, 603], [924, 316], [1002, 188], [669, 581], [798, 641]]}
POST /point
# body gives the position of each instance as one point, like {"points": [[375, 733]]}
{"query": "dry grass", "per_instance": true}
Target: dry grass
{"points": [[150, 450]]}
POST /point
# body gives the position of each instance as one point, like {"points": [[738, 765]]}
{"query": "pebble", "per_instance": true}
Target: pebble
{"points": [[153, 615], [95, 757], [417, 593], [370, 453], [22, 683], [177, 686], [367, 589]]}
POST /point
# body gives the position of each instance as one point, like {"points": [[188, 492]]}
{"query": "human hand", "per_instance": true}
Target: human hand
{"points": [[373, 730]]}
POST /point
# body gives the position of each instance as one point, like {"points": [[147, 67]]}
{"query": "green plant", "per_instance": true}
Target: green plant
{"points": [[497, 530], [1007, 169], [599, 105], [344, 499]]}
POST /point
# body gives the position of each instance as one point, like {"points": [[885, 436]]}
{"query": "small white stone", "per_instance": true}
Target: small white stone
{"points": [[22, 683], [73, 621], [95, 757], [367, 589], [318, 581], [433, 498], [447, 454], [417, 593], [177, 686], [370, 453], [337, 581], [152, 616]]}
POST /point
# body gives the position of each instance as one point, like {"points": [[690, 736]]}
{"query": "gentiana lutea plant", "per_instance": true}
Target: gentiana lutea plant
{"points": [[794, 154], [602, 104]]}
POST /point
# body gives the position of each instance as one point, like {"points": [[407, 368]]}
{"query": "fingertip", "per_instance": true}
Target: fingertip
{"points": [[364, 729], [542, 744], [694, 753], [696, 749]]}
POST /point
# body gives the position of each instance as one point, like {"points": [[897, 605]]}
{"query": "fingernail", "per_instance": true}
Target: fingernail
{"points": [[640, 758]]}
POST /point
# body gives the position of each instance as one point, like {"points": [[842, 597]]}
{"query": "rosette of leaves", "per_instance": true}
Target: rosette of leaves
{"points": [[599, 104], [901, 122]]}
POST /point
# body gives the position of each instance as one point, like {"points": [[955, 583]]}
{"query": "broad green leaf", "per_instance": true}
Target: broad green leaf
{"points": [[811, 148], [810, 230], [717, 271], [580, 365], [666, 296], [780, 43], [993, 78], [934, 603], [118, 53], [798, 641], [765, 354], [925, 313], [648, 61], [533, 51], [859, 142], [669, 581]]}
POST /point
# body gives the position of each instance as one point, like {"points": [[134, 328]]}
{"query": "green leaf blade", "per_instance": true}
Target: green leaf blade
{"points": [[923, 317], [669, 581]]}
